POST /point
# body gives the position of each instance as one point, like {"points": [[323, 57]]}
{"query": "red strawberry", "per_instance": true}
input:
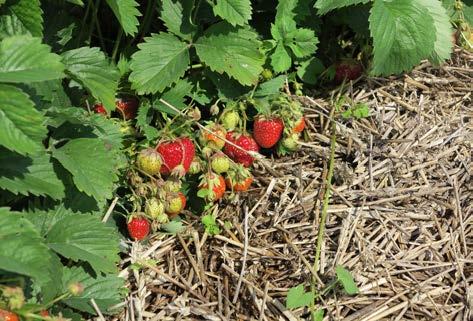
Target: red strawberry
{"points": [[299, 125], [177, 155], [127, 107], [348, 69], [175, 203], [215, 184], [243, 141], [267, 131], [100, 109], [138, 227], [8, 316]]}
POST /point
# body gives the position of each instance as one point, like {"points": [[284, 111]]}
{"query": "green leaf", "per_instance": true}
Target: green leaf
{"points": [[297, 297], [210, 224], [94, 178], [83, 237], [20, 18], [173, 227], [318, 315], [90, 68], [65, 34], [227, 87], [236, 12], [26, 59], [402, 35], [142, 121], [34, 175], [233, 51], [280, 59], [77, 2], [284, 21], [175, 96], [176, 17], [346, 279], [270, 87], [105, 289], [22, 126], [34, 259], [302, 42], [468, 11], [53, 92], [44, 220], [443, 31], [127, 14], [310, 69], [160, 62], [325, 6]]}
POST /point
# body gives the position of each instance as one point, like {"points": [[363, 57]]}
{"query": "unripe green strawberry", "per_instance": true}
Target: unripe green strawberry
{"points": [[220, 163], [172, 185], [267, 74], [75, 288], [154, 208], [291, 142], [230, 119], [149, 161], [196, 166]]}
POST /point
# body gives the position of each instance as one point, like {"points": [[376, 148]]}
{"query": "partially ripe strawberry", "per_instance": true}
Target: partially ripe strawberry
{"points": [[213, 139], [138, 227], [175, 203], [8, 316], [149, 161], [230, 119], [75, 288], [127, 107], [100, 109], [241, 185], [220, 163], [245, 142], [44, 313], [348, 69], [214, 184], [177, 155], [299, 125], [154, 208], [267, 131]]}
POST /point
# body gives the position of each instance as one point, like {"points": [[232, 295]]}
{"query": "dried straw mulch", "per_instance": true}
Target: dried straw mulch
{"points": [[400, 218]]}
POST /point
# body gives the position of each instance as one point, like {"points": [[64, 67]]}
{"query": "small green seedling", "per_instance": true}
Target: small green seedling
{"points": [[210, 225]]}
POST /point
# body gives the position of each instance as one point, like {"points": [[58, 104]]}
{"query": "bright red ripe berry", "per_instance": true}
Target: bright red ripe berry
{"points": [[138, 227], [100, 109], [349, 70], [245, 142], [267, 131], [177, 155]]}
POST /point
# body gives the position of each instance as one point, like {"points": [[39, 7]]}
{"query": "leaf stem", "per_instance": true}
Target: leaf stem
{"points": [[323, 218], [117, 44]]}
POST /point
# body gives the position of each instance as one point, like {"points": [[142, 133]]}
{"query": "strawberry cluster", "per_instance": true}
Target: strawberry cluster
{"points": [[217, 158]]}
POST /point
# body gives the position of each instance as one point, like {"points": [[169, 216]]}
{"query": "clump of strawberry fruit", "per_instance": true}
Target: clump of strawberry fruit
{"points": [[212, 186]]}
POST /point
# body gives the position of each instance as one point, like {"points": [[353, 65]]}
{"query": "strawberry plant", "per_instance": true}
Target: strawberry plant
{"points": [[135, 100]]}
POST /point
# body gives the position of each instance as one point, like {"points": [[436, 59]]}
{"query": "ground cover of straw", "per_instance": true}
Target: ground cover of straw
{"points": [[400, 217]]}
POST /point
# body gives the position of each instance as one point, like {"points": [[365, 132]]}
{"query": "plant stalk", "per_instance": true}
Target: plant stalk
{"points": [[323, 218]]}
